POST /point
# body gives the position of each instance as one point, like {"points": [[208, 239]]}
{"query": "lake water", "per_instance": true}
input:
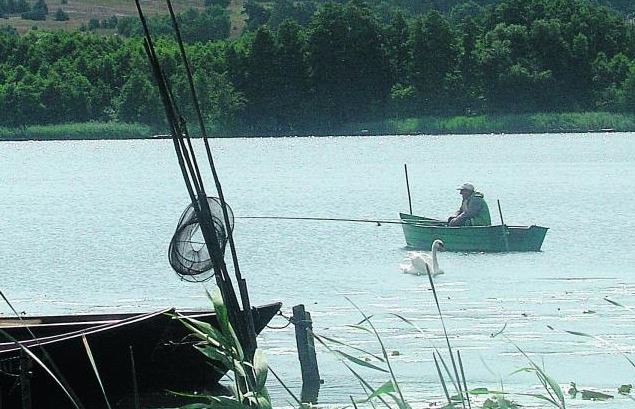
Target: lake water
{"points": [[85, 228]]}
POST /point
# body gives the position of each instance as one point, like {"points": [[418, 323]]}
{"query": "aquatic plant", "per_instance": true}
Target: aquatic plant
{"points": [[77, 131], [222, 346]]}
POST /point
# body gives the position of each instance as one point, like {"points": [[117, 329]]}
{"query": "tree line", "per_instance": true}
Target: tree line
{"points": [[345, 64]]}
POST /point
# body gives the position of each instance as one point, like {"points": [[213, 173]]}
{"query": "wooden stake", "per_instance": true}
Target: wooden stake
{"points": [[25, 380], [500, 213], [135, 387], [306, 354]]}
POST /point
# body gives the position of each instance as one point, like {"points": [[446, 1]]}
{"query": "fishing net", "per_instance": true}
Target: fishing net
{"points": [[188, 253]]}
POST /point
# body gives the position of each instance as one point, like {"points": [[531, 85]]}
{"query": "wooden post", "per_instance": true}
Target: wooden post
{"points": [[500, 213], [306, 354], [405, 167], [25, 380], [135, 387]]}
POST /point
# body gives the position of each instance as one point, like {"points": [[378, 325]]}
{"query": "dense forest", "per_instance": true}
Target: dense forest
{"points": [[341, 63]]}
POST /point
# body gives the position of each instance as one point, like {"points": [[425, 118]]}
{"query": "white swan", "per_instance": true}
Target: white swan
{"points": [[418, 263]]}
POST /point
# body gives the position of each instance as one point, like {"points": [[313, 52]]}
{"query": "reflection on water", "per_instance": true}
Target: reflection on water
{"points": [[86, 227]]}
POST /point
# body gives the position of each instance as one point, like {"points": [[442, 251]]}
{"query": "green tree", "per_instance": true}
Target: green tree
{"points": [[511, 81], [138, 102], [209, 25], [38, 12], [262, 83], [257, 14], [293, 109], [435, 54], [219, 3], [626, 92], [93, 24], [60, 15], [397, 35], [348, 66]]}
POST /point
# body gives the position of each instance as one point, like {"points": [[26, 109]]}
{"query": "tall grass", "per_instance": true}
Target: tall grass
{"points": [[511, 123], [77, 131], [478, 124], [221, 345]]}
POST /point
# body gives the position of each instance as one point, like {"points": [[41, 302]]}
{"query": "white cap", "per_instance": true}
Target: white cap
{"points": [[466, 186]]}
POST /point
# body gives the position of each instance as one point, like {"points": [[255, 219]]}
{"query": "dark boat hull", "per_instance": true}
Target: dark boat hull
{"points": [[420, 233], [164, 358]]}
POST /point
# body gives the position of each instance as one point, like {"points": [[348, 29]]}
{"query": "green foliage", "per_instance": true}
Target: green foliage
{"points": [[38, 12], [219, 3], [221, 346], [76, 131], [60, 15], [14, 7], [330, 69], [207, 25], [135, 102], [257, 15], [435, 56], [93, 24], [348, 65], [110, 22]]}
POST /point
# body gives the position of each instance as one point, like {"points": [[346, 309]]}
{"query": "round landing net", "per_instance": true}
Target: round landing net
{"points": [[188, 253]]}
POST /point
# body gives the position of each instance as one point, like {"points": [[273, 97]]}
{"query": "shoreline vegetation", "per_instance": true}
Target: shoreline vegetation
{"points": [[479, 124], [350, 67]]}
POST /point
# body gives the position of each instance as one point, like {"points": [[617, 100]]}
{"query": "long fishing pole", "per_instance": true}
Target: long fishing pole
{"points": [[167, 104], [190, 174], [379, 222], [242, 286]]}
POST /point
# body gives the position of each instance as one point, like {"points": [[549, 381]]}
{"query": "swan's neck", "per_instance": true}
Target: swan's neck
{"points": [[435, 263]]}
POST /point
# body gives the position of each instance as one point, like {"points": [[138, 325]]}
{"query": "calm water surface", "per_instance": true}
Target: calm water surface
{"points": [[86, 225]]}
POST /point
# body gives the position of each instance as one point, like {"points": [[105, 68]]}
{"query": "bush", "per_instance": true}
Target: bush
{"points": [[60, 15], [220, 3], [34, 15], [93, 24], [110, 22], [38, 12]]}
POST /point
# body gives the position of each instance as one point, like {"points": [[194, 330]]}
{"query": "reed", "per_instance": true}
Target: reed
{"points": [[510, 123], [463, 124], [77, 131], [221, 346]]}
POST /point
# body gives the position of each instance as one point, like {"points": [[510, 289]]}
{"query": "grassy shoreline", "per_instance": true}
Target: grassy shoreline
{"points": [[481, 124]]}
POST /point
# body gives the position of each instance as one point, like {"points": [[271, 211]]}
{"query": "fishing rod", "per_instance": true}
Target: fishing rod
{"points": [[191, 174], [379, 222], [242, 284]]}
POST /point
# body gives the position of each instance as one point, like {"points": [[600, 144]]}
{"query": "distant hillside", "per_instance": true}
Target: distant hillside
{"points": [[258, 12], [80, 12]]}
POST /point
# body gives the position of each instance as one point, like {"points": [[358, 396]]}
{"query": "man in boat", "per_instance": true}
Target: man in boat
{"points": [[473, 210]]}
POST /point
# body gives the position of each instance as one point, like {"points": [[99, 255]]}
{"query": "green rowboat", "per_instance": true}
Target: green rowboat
{"points": [[420, 232]]}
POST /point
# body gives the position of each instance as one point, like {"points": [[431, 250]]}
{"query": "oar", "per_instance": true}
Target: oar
{"points": [[405, 167], [500, 212]]}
